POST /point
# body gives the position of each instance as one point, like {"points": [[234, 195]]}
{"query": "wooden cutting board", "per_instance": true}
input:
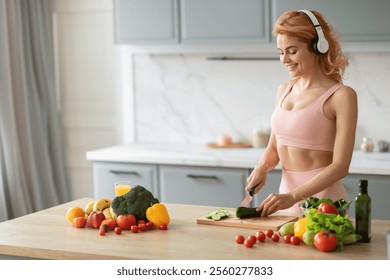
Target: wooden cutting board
{"points": [[231, 146], [274, 221]]}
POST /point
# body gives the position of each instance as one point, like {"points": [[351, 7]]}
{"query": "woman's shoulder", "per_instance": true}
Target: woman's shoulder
{"points": [[285, 86], [346, 92]]}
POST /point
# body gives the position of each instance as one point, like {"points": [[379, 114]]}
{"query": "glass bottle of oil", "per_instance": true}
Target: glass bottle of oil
{"points": [[363, 212]]}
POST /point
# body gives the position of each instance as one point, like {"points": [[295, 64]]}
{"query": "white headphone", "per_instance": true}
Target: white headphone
{"points": [[320, 45]]}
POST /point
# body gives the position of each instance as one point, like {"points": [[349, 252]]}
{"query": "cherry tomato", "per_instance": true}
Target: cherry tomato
{"points": [[134, 229], [252, 238], [141, 222], [248, 243], [150, 225], [142, 227], [325, 241], [118, 230], [240, 239], [275, 237], [102, 232], [269, 233], [287, 238], [163, 227], [261, 236], [295, 240], [126, 221], [79, 222], [327, 208]]}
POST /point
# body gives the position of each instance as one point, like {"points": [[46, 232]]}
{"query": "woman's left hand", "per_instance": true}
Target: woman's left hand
{"points": [[275, 202]]}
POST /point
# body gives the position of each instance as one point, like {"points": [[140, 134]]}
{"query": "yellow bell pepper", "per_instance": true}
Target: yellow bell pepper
{"points": [[158, 214]]}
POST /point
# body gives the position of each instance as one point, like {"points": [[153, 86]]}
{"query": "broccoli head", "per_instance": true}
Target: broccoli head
{"points": [[135, 202]]}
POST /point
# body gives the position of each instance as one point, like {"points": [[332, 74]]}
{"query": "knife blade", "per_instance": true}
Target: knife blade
{"points": [[248, 198]]}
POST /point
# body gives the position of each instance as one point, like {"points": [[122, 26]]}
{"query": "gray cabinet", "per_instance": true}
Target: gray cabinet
{"points": [[378, 189], [220, 187], [355, 20], [146, 21], [191, 21], [105, 174], [224, 21]]}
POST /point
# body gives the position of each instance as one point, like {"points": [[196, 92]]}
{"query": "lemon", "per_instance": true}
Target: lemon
{"points": [[74, 212]]}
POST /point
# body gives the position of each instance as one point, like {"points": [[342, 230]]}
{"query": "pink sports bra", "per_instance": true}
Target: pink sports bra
{"points": [[306, 128]]}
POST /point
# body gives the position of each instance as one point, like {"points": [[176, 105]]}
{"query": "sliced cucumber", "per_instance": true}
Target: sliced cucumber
{"points": [[218, 214]]}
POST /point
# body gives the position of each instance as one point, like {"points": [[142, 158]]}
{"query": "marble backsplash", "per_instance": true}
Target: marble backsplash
{"points": [[191, 99]]}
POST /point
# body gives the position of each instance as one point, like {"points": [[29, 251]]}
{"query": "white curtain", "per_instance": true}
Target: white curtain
{"points": [[32, 165]]}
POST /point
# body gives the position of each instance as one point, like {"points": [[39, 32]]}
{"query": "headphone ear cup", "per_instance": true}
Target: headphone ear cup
{"points": [[314, 46]]}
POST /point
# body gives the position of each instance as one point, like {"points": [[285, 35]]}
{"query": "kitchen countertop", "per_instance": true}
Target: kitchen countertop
{"points": [[48, 235], [199, 155]]}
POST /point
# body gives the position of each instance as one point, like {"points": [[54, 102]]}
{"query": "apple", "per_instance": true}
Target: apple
{"points": [[95, 219], [224, 140]]}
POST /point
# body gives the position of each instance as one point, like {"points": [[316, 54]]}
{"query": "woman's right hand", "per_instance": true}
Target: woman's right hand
{"points": [[257, 179]]}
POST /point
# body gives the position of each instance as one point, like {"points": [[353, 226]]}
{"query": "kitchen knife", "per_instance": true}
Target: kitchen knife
{"points": [[248, 198]]}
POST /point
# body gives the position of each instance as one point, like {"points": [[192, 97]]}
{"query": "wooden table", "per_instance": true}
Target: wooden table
{"points": [[48, 235]]}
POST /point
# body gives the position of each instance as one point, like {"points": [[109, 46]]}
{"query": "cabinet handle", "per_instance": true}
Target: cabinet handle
{"points": [[202, 176], [118, 172]]}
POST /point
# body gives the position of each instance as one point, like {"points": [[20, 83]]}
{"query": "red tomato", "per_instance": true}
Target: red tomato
{"points": [[143, 227], [134, 229], [248, 243], [163, 227], [327, 208], [252, 238], [102, 232], [141, 222], [295, 240], [325, 241], [126, 221], [240, 239], [150, 225], [118, 230], [275, 237], [79, 222], [269, 233], [287, 238], [261, 236]]}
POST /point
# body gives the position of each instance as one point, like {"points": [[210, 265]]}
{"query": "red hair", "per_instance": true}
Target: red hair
{"points": [[298, 24]]}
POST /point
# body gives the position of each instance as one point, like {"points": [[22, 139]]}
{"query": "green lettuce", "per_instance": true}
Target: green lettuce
{"points": [[339, 225]]}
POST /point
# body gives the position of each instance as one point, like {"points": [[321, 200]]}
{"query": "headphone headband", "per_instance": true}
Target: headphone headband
{"points": [[322, 45]]}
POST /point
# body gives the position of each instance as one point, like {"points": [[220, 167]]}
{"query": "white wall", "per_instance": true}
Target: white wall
{"points": [[187, 98]]}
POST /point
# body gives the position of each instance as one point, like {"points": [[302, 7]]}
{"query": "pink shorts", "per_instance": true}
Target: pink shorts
{"points": [[291, 180]]}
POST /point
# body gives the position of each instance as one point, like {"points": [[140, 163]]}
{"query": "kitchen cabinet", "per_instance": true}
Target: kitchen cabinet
{"points": [[222, 187], [105, 174], [224, 21], [191, 21], [378, 189], [146, 21], [355, 20]]}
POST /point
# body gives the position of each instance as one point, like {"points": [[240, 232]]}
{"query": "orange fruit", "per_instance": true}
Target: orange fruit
{"points": [[300, 227], [74, 212], [79, 222]]}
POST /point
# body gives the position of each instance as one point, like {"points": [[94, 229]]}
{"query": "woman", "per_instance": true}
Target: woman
{"points": [[314, 122]]}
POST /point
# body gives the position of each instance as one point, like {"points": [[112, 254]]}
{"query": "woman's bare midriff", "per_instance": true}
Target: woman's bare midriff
{"points": [[298, 159]]}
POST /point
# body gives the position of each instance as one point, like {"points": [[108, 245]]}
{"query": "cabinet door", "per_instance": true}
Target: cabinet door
{"points": [[227, 21], [146, 21], [378, 189], [221, 187], [355, 20], [105, 174]]}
